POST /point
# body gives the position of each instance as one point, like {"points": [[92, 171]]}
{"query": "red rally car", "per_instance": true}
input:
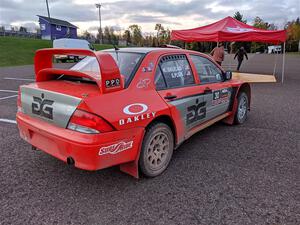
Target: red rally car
{"points": [[130, 107]]}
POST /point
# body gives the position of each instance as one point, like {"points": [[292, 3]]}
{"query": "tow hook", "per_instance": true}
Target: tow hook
{"points": [[70, 161]]}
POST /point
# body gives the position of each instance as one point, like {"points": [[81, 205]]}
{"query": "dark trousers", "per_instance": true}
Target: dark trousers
{"points": [[239, 64]]}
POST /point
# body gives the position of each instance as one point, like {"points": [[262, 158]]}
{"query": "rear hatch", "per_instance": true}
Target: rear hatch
{"points": [[57, 93], [55, 101]]}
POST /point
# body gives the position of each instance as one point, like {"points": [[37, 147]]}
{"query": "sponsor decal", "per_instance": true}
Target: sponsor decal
{"points": [[143, 83], [137, 118], [196, 112], [116, 148], [239, 29], [177, 71], [112, 83], [148, 68], [42, 107], [220, 96], [135, 108], [137, 113]]}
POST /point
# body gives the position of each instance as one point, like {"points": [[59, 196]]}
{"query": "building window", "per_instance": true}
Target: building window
{"points": [[43, 26], [58, 28], [68, 30]]}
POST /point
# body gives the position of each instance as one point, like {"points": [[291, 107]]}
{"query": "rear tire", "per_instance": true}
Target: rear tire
{"points": [[157, 150], [242, 108]]}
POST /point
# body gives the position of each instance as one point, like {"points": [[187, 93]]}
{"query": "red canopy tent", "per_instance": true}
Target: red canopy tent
{"points": [[230, 29]]}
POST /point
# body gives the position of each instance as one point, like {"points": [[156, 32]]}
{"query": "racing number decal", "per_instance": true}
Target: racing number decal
{"points": [[220, 96], [216, 95], [196, 112]]}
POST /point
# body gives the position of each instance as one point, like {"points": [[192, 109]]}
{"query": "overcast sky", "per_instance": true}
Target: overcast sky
{"points": [[174, 14]]}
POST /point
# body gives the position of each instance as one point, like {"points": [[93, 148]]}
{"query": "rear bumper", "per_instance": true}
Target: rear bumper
{"points": [[116, 147]]}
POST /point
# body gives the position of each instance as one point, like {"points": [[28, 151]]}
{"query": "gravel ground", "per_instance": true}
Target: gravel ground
{"points": [[248, 174]]}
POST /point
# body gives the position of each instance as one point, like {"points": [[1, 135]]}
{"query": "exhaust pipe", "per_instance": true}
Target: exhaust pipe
{"points": [[70, 161]]}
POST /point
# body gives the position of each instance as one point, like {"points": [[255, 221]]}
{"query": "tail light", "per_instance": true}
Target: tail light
{"points": [[88, 123], [19, 103]]}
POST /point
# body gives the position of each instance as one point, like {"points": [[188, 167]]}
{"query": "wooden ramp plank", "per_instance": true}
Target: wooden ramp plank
{"points": [[254, 78]]}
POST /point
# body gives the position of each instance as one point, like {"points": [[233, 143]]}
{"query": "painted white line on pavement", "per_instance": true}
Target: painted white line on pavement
{"points": [[8, 121], [12, 96], [14, 78], [8, 91]]}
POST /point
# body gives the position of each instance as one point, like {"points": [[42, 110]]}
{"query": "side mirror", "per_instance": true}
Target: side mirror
{"points": [[228, 75]]}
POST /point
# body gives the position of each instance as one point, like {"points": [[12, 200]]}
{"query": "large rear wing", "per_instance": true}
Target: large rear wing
{"points": [[108, 80]]}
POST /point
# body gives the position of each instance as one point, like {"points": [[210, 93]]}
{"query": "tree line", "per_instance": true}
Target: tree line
{"points": [[133, 36]]}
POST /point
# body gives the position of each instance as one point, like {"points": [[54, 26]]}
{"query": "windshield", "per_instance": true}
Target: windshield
{"points": [[126, 61]]}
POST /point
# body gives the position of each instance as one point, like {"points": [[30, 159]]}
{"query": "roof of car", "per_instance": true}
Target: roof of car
{"points": [[144, 49]]}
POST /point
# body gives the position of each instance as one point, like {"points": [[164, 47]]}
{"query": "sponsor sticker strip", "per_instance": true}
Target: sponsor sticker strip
{"points": [[116, 148]]}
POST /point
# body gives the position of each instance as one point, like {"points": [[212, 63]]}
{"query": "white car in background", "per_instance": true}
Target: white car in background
{"points": [[70, 43], [274, 49]]}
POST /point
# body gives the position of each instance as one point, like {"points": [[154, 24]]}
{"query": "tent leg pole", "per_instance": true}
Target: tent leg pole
{"points": [[283, 63], [275, 65]]}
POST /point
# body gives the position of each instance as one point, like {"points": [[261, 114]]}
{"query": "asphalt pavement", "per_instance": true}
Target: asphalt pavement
{"points": [[247, 174]]}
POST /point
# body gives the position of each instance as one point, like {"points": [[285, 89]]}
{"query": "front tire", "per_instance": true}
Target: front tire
{"points": [[242, 108], [157, 150]]}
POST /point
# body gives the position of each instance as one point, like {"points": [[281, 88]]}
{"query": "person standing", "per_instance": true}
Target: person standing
{"points": [[240, 57], [218, 53]]}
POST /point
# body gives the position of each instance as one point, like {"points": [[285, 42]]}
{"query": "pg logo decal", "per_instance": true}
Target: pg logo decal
{"points": [[42, 107], [195, 112]]}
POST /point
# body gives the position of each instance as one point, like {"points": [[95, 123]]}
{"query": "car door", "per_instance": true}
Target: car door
{"points": [[218, 92], [177, 85]]}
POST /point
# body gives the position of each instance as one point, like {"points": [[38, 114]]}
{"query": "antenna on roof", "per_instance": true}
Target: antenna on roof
{"points": [[117, 53]]}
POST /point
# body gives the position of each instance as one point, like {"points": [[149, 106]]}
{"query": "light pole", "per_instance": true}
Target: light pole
{"points": [[49, 19], [100, 31]]}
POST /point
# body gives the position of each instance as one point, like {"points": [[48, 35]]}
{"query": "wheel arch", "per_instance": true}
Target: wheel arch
{"points": [[167, 120], [245, 87], [132, 168]]}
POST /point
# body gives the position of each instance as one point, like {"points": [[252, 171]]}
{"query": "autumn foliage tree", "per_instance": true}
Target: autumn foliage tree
{"points": [[293, 32]]}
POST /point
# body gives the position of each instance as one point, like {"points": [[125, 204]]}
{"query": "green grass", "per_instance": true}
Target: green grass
{"points": [[16, 51], [19, 51], [99, 47]]}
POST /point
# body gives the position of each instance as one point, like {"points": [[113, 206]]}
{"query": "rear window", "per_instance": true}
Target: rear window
{"points": [[126, 61]]}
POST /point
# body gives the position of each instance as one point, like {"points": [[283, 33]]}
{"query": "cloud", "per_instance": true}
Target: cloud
{"points": [[177, 14]]}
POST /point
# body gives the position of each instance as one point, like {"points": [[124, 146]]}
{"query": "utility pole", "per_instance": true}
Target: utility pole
{"points": [[49, 19], [100, 31]]}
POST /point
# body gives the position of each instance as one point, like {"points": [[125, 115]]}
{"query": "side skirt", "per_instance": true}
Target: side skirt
{"points": [[206, 124]]}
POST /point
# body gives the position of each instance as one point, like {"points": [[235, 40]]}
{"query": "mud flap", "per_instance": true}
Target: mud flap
{"points": [[132, 168]]}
